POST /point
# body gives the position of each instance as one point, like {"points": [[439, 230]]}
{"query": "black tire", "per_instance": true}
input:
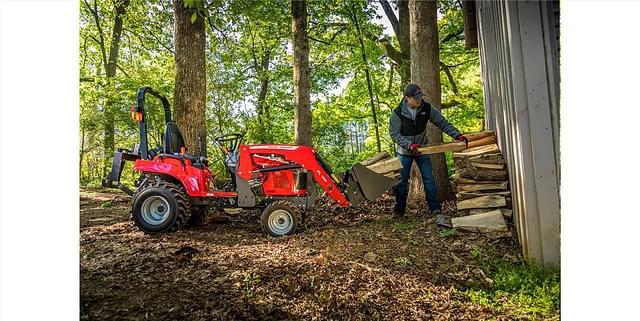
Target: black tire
{"points": [[281, 218], [160, 206]]}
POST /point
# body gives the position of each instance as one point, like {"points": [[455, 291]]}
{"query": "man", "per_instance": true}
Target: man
{"points": [[408, 129]]}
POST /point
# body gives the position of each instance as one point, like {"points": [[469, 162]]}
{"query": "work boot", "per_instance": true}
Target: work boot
{"points": [[442, 220], [397, 213]]}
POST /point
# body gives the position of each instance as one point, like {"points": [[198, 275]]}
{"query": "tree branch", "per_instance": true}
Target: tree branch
{"points": [[391, 52], [388, 11], [447, 71], [452, 35], [318, 40], [450, 104]]}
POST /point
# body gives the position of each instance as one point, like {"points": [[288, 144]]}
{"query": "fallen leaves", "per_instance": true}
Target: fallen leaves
{"points": [[348, 264]]}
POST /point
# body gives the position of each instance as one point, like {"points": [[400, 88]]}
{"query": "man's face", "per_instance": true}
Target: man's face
{"points": [[413, 103]]}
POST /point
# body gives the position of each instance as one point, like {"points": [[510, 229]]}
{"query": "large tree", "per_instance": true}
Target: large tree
{"points": [[301, 81], [110, 63], [425, 72], [190, 91]]}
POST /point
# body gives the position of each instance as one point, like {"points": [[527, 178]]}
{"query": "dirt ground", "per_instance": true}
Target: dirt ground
{"points": [[355, 264]]}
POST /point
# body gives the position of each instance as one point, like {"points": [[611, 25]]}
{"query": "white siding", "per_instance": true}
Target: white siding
{"points": [[519, 63]]}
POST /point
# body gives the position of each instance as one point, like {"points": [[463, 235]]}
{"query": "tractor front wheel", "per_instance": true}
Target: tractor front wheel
{"points": [[160, 207], [281, 218]]}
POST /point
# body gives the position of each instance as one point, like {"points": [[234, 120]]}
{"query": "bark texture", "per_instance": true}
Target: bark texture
{"points": [[301, 81], [425, 72], [190, 91]]}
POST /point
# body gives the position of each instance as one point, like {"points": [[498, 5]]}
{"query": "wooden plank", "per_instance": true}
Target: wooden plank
{"points": [[487, 166], [479, 135], [495, 160], [477, 151], [376, 158], [482, 187], [481, 142], [488, 201], [462, 180], [386, 166], [461, 196], [505, 211], [491, 221], [482, 174], [441, 148]]}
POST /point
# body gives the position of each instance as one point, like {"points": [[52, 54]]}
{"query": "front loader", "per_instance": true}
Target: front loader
{"points": [[175, 186]]}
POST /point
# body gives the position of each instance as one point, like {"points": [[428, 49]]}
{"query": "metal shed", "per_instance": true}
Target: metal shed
{"points": [[519, 49]]}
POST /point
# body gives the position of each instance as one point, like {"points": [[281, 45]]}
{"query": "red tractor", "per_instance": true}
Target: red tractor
{"points": [[175, 186]]}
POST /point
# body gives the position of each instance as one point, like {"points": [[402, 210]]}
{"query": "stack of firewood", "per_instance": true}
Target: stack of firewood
{"points": [[481, 183]]}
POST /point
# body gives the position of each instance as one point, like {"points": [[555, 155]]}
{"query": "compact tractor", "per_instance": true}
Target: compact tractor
{"points": [[175, 187]]}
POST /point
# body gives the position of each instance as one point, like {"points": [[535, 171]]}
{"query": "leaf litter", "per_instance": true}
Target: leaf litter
{"points": [[347, 264]]}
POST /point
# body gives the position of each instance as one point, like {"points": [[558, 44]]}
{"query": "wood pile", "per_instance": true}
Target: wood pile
{"points": [[481, 185]]}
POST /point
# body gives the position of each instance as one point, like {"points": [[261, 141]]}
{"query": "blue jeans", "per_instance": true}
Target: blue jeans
{"points": [[431, 194]]}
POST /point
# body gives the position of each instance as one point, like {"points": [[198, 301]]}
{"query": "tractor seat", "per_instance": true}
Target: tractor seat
{"points": [[173, 142]]}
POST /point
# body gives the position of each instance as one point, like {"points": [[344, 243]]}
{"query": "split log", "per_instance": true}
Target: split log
{"points": [[496, 160], [488, 201], [483, 174], [467, 170], [487, 166], [491, 221], [441, 148], [461, 181], [482, 141], [487, 156], [483, 187], [505, 212], [461, 196], [378, 157], [479, 135], [477, 151], [386, 166]]}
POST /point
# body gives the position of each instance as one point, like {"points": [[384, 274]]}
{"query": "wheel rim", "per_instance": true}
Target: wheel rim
{"points": [[280, 222], [155, 210]]}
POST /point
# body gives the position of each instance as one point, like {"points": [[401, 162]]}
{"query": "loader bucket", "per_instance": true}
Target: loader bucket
{"points": [[364, 183]]}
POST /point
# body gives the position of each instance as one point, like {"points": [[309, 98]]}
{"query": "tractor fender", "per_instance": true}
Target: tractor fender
{"points": [[191, 178]]}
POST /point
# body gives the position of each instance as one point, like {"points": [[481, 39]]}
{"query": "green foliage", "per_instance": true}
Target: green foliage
{"points": [[249, 77], [525, 289], [106, 204], [446, 233]]}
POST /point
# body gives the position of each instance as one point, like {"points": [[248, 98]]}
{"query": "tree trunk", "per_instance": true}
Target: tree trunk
{"points": [[82, 135], [262, 108], [190, 91], [301, 81], [110, 63], [425, 71]]}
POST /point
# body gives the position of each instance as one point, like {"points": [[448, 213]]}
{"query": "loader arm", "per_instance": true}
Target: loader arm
{"points": [[358, 183]]}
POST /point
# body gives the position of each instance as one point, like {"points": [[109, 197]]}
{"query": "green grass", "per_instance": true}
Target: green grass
{"points": [[524, 290], [106, 204], [447, 233]]}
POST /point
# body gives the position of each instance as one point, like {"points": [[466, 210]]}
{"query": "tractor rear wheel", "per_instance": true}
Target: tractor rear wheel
{"points": [[281, 218], [160, 207]]}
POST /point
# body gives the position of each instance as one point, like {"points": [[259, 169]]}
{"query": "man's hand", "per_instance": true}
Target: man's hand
{"points": [[414, 148], [463, 139]]}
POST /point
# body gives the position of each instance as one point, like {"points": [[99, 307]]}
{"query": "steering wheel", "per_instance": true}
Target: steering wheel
{"points": [[229, 142]]}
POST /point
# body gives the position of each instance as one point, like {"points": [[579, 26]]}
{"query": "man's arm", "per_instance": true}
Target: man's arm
{"points": [[437, 119], [394, 130]]}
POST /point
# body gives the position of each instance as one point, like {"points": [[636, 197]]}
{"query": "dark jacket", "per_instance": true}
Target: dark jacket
{"points": [[407, 129]]}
